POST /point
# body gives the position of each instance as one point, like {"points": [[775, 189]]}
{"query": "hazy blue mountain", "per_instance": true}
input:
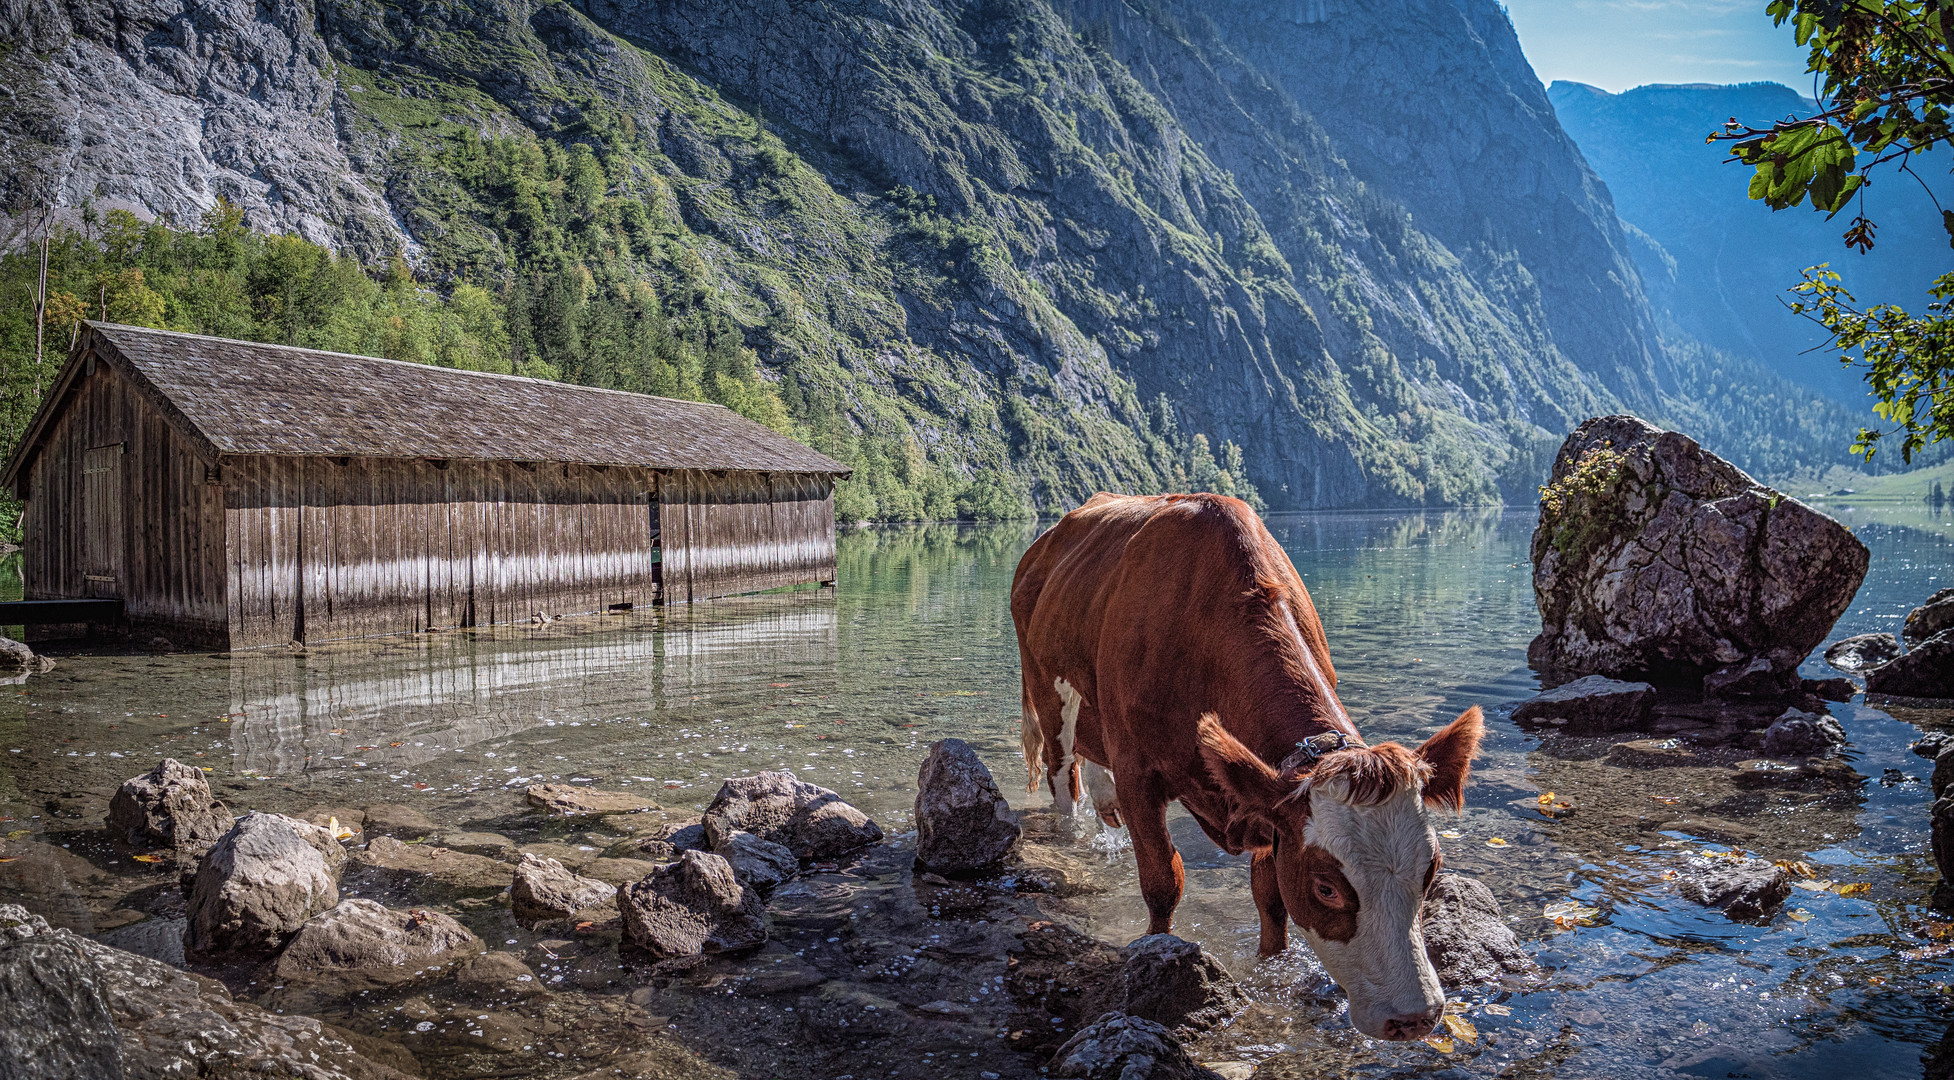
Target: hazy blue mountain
{"points": [[1718, 264]]}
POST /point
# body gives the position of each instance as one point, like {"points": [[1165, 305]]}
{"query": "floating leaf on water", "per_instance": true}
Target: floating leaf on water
{"points": [[339, 832], [18, 833], [1547, 799], [1495, 842], [1570, 910], [1794, 867], [396, 744], [1876, 980], [1498, 1010], [1799, 915], [1451, 834], [1461, 1027], [8, 858], [1441, 1043], [1814, 885], [149, 858], [1667, 800], [1852, 888]]}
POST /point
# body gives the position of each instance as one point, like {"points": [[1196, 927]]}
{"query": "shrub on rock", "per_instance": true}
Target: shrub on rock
{"points": [[810, 821], [259, 883], [169, 806], [695, 905], [1654, 556], [963, 824]]}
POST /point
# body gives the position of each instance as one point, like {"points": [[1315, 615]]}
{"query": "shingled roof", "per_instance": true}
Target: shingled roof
{"points": [[241, 397]]}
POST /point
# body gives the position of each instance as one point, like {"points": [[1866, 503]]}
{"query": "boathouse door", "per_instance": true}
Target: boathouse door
{"points": [[101, 495]]}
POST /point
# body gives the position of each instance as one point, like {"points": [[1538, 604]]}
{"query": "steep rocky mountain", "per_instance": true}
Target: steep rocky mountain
{"points": [[1718, 264], [1030, 240]]}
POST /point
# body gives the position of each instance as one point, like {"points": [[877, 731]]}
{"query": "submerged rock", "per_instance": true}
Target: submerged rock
{"points": [[1466, 936], [1174, 983], [399, 822], [810, 821], [259, 883], [360, 945], [407, 865], [544, 889], [496, 974], [1754, 678], [75, 1009], [963, 824], [1829, 689], [1801, 734], [1652, 753], [1656, 556], [1594, 704], [567, 801], [18, 657], [1122, 1047], [1855, 654], [1941, 834], [1931, 618], [693, 906], [169, 806], [759, 864], [1925, 671], [1743, 888]]}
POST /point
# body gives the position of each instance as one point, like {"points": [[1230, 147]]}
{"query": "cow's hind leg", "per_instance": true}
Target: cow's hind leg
{"points": [[1143, 803], [1268, 901], [1060, 759], [1105, 797], [1032, 740]]}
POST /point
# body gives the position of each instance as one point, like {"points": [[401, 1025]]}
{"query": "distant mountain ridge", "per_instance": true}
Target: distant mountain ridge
{"points": [[1042, 240], [1719, 264]]}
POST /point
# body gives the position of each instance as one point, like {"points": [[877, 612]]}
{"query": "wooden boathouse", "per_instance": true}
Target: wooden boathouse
{"points": [[233, 494]]}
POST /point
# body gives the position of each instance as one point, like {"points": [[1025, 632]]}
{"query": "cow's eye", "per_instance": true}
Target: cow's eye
{"points": [[1329, 894]]}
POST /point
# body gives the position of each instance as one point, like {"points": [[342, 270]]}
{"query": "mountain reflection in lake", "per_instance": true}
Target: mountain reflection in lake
{"points": [[1427, 613]]}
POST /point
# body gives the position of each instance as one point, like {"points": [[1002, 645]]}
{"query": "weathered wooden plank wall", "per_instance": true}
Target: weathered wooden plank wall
{"points": [[161, 553], [740, 532]]}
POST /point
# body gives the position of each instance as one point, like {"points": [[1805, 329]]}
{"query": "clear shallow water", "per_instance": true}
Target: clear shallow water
{"points": [[1427, 613]]}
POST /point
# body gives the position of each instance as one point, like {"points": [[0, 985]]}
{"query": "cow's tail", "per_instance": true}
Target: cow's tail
{"points": [[1033, 739]]}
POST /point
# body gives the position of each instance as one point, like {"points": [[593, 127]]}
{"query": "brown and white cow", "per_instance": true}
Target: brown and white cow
{"points": [[1170, 651]]}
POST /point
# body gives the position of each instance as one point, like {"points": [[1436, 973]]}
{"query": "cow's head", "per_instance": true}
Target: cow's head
{"points": [[1355, 849]]}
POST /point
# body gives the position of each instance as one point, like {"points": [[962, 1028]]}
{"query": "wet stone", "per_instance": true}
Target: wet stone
{"points": [[1829, 689], [1593, 704], [615, 872], [810, 821], [360, 945], [1758, 677], [545, 889], [1941, 835], [693, 906], [1652, 753], [1466, 936], [1809, 773], [1931, 618], [1942, 779], [762, 865], [486, 844], [158, 939], [963, 825], [1854, 655], [1121, 1047], [1932, 743], [496, 974], [169, 806], [1801, 734], [1925, 671], [1174, 983], [409, 865], [565, 800], [259, 883], [1743, 888], [399, 822]]}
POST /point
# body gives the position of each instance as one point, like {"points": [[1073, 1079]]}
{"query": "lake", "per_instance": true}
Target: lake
{"points": [[1427, 613]]}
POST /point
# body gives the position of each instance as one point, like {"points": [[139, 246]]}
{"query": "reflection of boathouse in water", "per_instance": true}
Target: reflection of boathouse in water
{"points": [[236, 495]]}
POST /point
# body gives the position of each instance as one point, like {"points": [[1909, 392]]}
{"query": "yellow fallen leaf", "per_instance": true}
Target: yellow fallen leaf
{"points": [[1547, 799], [1461, 1027], [1495, 842], [1498, 1010], [1570, 910], [18, 833], [1814, 885], [149, 858], [1799, 915], [1794, 867], [339, 832], [1667, 800], [1441, 1043], [1451, 834], [1853, 888]]}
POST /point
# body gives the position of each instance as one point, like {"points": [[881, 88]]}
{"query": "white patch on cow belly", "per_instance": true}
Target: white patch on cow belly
{"points": [[1385, 852], [1099, 782], [1068, 729]]}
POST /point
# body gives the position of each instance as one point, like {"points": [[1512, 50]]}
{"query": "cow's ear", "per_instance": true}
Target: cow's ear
{"points": [[1252, 786], [1450, 754]]}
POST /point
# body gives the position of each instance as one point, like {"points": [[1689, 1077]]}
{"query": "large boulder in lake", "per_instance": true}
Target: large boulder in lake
{"points": [[963, 824], [1174, 983], [1931, 618], [1466, 936], [810, 821], [73, 1008], [169, 806], [359, 945], [1925, 671], [1654, 557], [259, 883], [696, 905]]}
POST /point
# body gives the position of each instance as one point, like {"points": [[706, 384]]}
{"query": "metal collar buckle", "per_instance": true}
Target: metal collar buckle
{"points": [[1311, 750]]}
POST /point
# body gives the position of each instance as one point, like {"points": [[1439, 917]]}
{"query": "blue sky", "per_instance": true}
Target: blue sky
{"points": [[1618, 44]]}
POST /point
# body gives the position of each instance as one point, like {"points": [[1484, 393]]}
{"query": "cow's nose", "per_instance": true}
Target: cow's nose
{"points": [[1412, 1025]]}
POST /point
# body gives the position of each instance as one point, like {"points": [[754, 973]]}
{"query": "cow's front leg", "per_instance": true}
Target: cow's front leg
{"points": [[1143, 803], [1268, 901]]}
